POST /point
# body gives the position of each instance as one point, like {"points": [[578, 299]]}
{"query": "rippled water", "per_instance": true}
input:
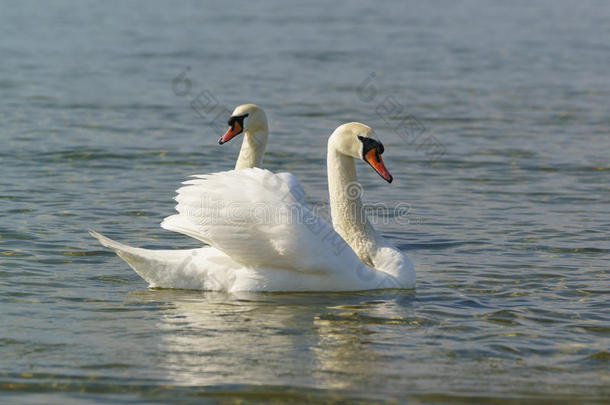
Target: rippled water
{"points": [[496, 125]]}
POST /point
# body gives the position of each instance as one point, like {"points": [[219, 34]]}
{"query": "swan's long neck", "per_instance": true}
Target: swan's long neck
{"points": [[252, 150], [347, 212]]}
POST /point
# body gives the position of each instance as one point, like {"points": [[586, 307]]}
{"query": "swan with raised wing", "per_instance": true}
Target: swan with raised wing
{"points": [[263, 237], [247, 119]]}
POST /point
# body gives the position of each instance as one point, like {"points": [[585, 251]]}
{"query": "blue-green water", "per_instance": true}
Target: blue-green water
{"points": [[504, 164]]}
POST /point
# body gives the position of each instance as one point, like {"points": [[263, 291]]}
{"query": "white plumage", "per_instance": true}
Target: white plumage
{"points": [[263, 236]]}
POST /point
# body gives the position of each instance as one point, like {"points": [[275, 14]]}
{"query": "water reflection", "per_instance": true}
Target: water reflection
{"points": [[334, 341]]}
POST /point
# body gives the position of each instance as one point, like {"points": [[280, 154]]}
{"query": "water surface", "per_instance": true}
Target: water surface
{"points": [[504, 165]]}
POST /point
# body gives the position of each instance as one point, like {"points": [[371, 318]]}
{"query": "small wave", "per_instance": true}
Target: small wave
{"points": [[603, 356], [438, 244], [556, 249]]}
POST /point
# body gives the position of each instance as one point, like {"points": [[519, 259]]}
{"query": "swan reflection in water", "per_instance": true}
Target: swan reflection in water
{"points": [[331, 341]]}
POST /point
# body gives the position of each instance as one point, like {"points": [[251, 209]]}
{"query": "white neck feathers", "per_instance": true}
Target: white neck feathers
{"points": [[347, 212], [252, 150]]}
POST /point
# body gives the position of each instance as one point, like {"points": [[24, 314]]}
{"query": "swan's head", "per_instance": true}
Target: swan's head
{"points": [[359, 141], [246, 118]]}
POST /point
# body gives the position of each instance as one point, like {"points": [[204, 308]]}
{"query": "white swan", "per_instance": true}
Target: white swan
{"points": [[264, 238]]}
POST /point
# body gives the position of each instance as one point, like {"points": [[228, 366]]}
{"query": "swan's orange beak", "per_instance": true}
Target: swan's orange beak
{"points": [[373, 157], [234, 129]]}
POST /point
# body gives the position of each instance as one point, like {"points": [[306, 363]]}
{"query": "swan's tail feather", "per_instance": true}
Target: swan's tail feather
{"points": [[112, 244], [133, 256], [157, 267]]}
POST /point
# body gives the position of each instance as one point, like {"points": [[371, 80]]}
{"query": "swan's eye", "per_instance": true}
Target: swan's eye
{"points": [[237, 118], [369, 144]]}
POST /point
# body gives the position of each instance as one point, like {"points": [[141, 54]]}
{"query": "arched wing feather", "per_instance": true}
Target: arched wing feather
{"points": [[259, 218]]}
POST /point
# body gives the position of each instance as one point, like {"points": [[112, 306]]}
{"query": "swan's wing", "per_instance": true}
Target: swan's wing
{"points": [[294, 186], [259, 219]]}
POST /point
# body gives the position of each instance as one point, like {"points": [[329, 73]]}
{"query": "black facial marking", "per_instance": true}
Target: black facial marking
{"points": [[370, 143], [237, 118]]}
